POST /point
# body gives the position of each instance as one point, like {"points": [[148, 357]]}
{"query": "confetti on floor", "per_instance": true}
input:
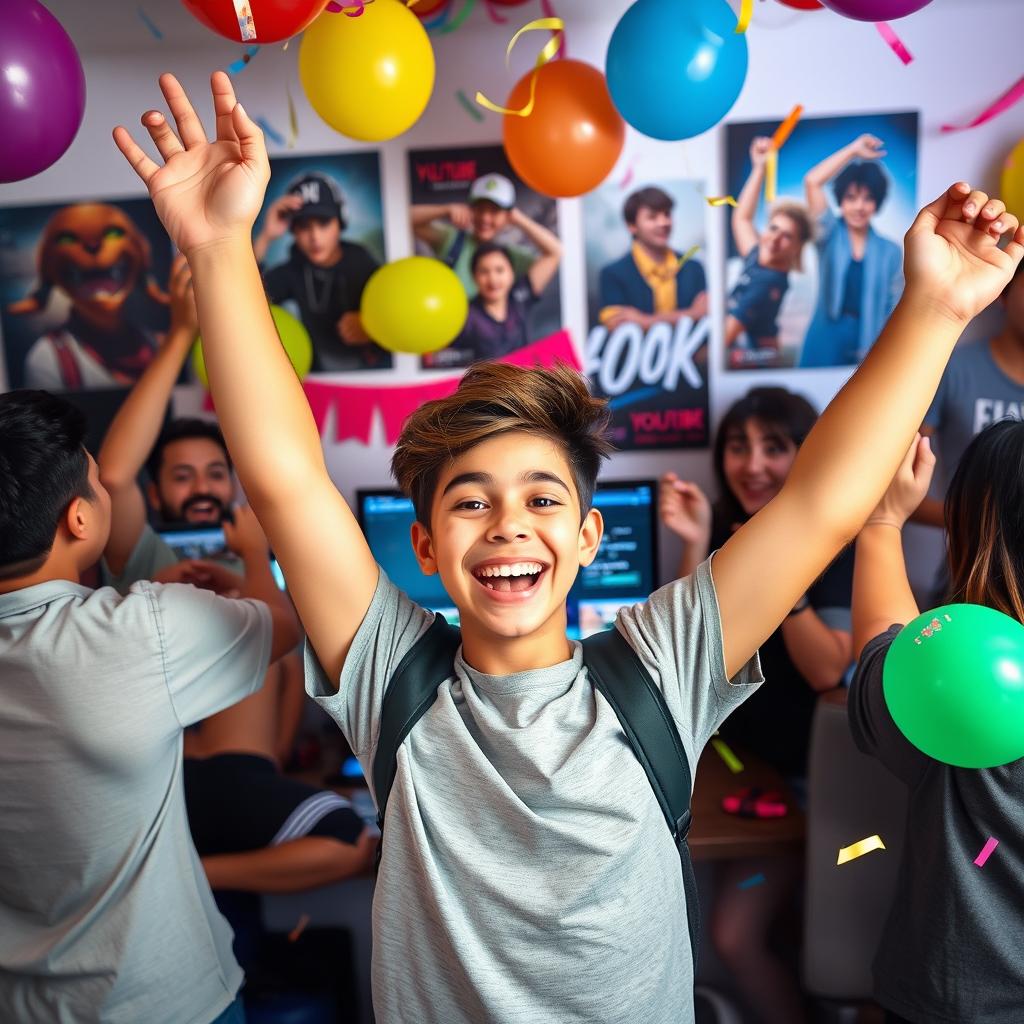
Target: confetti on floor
{"points": [[848, 853], [734, 763], [986, 852], [749, 883]]}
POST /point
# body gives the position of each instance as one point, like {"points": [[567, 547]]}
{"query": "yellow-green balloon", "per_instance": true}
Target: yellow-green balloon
{"points": [[414, 305], [1012, 184], [294, 339]]}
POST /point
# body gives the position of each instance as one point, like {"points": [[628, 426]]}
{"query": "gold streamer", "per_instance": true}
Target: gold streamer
{"points": [[746, 13], [551, 47], [771, 175], [848, 853], [721, 200]]}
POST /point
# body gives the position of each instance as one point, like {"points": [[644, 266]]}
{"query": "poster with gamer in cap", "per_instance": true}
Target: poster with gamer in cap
{"points": [[499, 236], [317, 240]]}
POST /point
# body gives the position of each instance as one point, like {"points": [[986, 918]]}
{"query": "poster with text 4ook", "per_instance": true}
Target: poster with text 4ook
{"points": [[646, 349]]}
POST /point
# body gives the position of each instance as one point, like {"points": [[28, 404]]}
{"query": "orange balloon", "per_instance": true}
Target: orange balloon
{"points": [[574, 136]]}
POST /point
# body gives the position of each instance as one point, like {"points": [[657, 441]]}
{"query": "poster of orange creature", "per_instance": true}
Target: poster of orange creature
{"points": [[83, 300]]}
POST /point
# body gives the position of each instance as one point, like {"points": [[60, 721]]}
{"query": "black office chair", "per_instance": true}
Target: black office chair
{"points": [[851, 797]]}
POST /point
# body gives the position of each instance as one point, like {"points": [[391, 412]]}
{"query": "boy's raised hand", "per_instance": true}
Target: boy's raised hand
{"points": [[952, 255], [205, 192]]}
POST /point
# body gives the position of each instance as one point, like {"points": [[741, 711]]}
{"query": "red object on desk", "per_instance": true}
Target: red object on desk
{"points": [[754, 802]]}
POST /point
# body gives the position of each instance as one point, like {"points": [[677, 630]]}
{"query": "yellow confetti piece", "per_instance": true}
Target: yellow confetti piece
{"points": [[848, 853], [689, 254], [746, 13], [551, 47], [771, 175], [733, 763], [293, 120], [721, 200]]}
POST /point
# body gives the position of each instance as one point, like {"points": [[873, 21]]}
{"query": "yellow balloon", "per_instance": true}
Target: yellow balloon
{"points": [[414, 305], [368, 77], [1012, 186], [294, 339]]}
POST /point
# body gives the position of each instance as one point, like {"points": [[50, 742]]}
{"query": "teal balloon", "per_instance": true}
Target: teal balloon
{"points": [[675, 67], [954, 684]]}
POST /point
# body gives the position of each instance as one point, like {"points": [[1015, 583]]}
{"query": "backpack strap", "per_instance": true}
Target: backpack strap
{"points": [[409, 694], [620, 676]]}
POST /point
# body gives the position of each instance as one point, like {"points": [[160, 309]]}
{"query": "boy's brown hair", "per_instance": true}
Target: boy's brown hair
{"points": [[493, 399]]}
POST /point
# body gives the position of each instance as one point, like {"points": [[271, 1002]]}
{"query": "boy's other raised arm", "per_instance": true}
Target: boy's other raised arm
{"points": [[954, 269], [208, 195]]}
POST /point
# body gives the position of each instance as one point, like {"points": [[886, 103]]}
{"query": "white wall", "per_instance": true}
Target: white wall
{"points": [[967, 52]]}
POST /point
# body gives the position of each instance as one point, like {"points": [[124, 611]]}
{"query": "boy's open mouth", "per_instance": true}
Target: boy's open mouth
{"points": [[509, 578]]}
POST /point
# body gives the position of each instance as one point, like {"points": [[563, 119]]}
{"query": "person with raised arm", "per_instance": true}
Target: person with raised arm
{"points": [[517, 780]]}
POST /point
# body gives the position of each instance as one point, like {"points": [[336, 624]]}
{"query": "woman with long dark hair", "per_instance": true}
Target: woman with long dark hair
{"points": [[951, 946]]}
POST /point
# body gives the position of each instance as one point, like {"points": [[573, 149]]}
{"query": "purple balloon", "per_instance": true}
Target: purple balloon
{"points": [[42, 89], [875, 10]]}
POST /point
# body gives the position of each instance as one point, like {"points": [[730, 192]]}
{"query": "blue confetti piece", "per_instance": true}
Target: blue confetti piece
{"points": [[271, 133], [150, 24], [749, 883], [239, 65]]}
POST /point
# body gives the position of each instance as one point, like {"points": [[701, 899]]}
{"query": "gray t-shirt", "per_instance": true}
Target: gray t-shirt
{"points": [[528, 875], [973, 394], [105, 913], [951, 948]]}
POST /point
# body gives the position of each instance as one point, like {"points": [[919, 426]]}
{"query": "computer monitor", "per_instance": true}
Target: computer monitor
{"points": [[624, 571]]}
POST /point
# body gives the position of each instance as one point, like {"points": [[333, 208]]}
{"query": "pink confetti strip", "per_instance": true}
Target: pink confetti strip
{"points": [[1012, 95], [885, 30], [986, 852]]}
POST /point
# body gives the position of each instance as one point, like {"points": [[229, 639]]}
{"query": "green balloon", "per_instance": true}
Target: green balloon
{"points": [[295, 341], [954, 683]]}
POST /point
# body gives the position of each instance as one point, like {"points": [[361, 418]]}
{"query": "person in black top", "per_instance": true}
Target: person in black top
{"points": [[950, 949], [323, 275], [754, 450]]}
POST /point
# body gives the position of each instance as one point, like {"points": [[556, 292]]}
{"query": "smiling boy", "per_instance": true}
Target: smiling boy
{"points": [[527, 874]]}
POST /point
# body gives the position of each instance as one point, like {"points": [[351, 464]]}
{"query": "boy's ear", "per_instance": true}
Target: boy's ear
{"points": [[591, 533], [153, 496], [423, 547], [77, 520]]}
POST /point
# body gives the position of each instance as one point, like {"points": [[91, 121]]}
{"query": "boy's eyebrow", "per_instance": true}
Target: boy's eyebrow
{"points": [[486, 480]]}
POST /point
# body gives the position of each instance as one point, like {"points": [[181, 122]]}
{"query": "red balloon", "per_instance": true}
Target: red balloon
{"points": [[428, 8], [574, 136], [272, 20], [802, 5]]}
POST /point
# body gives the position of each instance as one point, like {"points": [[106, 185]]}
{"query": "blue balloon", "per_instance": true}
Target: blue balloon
{"points": [[675, 67]]}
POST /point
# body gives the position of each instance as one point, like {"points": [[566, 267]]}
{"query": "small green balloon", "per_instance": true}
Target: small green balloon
{"points": [[954, 684], [294, 339]]}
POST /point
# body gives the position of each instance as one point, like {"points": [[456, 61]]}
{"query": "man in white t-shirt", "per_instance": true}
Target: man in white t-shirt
{"points": [[105, 913]]}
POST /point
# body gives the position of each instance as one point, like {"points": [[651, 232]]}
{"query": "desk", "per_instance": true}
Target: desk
{"points": [[715, 835]]}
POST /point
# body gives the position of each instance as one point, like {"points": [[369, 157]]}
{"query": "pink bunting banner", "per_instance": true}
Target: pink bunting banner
{"points": [[354, 406]]}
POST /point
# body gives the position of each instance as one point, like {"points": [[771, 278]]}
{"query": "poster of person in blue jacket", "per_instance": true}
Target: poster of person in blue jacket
{"points": [[846, 187], [646, 350]]}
